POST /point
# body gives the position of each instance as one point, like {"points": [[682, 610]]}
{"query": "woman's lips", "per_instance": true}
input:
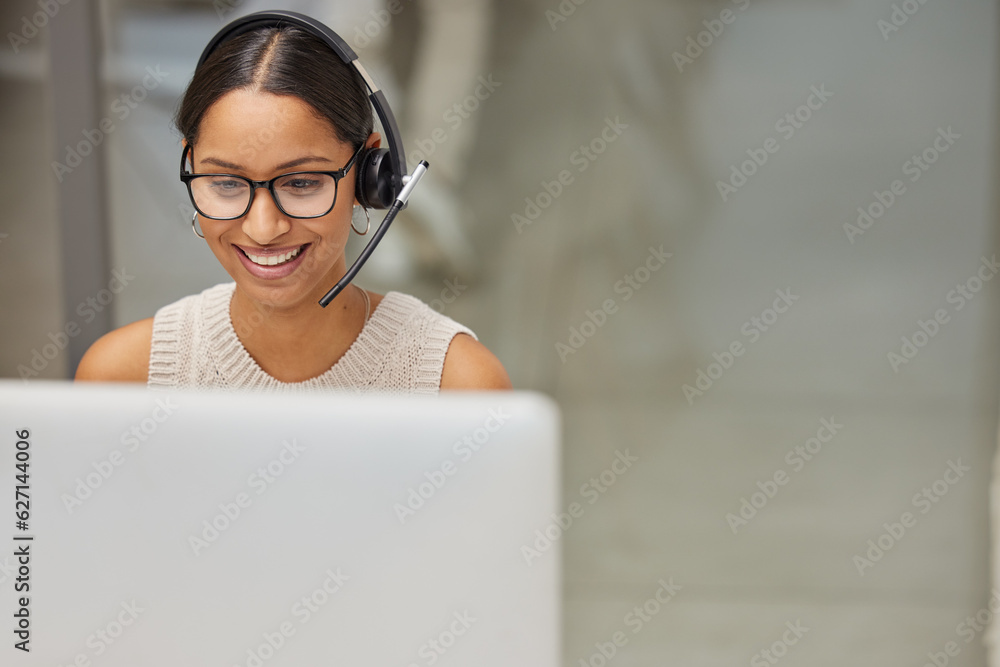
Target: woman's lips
{"points": [[270, 258], [258, 261]]}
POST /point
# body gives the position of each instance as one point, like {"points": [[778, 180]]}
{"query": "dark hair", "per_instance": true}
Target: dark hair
{"points": [[281, 61]]}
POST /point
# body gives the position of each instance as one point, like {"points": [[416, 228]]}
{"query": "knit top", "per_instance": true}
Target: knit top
{"points": [[401, 348]]}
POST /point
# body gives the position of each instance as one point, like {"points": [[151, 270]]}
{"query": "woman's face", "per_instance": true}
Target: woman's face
{"points": [[260, 136]]}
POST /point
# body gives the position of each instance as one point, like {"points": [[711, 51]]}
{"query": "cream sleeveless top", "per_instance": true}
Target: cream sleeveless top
{"points": [[400, 349]]}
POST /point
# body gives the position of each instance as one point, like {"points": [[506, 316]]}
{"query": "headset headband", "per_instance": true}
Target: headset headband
{"points": [[280, 18]]}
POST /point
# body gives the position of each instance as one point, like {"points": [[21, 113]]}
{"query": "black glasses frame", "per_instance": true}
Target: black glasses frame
{"points": [[187, 177]]}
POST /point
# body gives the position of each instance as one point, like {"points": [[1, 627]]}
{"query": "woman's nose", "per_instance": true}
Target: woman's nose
{"points": [[265, 222]]}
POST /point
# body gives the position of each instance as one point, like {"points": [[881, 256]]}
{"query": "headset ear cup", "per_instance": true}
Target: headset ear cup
{"points": [[374, 184]]}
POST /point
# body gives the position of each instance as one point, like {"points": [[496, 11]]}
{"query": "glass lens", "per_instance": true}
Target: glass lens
{"points": [[220, 196], [307, 194]]}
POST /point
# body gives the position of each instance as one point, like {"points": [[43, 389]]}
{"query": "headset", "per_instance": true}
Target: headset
{"points": [[381, 179]]}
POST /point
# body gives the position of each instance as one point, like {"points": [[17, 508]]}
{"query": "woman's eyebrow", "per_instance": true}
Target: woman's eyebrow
{"points": [[284, 165]]}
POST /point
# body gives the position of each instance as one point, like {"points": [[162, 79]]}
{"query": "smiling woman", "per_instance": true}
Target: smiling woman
{"points": [[276, 129]]}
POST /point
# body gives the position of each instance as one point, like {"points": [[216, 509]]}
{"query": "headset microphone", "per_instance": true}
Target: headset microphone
{"points": [[397, 206]]}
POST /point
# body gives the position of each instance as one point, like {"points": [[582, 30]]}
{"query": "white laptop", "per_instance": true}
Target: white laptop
{"points": [[261, 530]]}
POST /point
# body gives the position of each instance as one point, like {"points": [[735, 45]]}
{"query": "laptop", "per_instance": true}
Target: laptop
{"points": [[270, 530]]}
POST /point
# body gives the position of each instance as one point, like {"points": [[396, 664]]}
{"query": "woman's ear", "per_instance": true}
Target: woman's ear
{"points": [[190, 155], [374, 140]]}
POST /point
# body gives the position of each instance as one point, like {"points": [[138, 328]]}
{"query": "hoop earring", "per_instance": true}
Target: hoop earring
{"points": [[367, 227], [194, 219]]}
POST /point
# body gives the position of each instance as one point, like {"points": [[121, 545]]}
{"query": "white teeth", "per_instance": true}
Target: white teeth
{"points": [[272, 260]]}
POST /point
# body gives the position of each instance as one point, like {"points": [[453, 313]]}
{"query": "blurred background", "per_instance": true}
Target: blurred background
{"points": [[748, 243]]}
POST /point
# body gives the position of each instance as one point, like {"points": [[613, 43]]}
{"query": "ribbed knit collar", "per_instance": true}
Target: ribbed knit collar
{"points": [[356, 368]]}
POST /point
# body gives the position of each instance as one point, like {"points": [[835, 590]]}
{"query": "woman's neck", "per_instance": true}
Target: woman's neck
{"points": [[299, 342]]}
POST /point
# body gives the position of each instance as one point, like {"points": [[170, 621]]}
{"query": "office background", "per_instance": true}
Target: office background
{"points": [[816, 357]]}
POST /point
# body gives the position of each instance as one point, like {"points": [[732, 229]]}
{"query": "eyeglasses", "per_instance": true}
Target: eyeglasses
{"points": [[299, 194]]}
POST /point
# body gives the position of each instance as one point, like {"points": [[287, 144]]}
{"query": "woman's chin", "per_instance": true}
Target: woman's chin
{"points": [[287, 283], [276, 296]]}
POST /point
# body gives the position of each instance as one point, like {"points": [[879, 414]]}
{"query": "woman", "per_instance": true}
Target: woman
{"points": [[277, 105]]}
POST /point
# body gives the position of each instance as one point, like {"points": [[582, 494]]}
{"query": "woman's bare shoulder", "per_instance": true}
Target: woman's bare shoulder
{"points": [[121, 355], [470, 365]]}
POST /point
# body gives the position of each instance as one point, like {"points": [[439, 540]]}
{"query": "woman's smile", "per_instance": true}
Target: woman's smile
{"points": [[271, 263]]}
